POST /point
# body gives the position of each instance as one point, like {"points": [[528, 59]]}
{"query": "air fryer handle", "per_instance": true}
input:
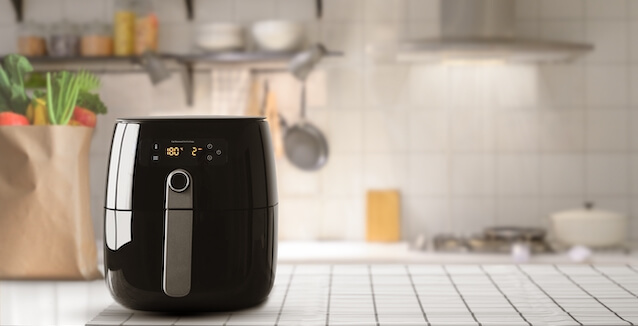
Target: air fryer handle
{"points": [[178, 234]]}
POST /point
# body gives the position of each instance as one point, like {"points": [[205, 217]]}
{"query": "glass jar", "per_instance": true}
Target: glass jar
{"points": [[96, 40], [146, 27], [31, 40], [124, 28], [64, 40]]}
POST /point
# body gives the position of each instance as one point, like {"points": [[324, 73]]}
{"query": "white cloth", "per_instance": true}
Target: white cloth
{"points": [[229, 91]]}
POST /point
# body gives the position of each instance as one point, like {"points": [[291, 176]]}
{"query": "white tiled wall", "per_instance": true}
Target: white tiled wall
{"points": [[467, 146]]}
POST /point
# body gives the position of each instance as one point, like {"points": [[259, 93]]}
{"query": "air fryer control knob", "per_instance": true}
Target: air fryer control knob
{"points": [[178, 181]]}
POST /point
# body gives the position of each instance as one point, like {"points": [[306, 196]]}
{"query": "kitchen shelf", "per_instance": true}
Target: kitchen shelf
{"points": [[251, 59], [185, 64], [18, 7]]}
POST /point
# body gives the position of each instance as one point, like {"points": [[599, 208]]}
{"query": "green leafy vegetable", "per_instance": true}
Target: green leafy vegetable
{"points": [[12, 95], [92, 102], [38, 93], [62, 93], [36, 80]]}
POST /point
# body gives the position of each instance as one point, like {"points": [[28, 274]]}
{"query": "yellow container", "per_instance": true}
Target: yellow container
{"points": [[124, 33]]}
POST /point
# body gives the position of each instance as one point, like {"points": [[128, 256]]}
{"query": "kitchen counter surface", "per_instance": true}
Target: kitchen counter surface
{"points": [[380, 294], [315, 252]]}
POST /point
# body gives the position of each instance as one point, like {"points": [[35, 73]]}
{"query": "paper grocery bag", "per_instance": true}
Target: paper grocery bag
{"points": [[46, 230]]}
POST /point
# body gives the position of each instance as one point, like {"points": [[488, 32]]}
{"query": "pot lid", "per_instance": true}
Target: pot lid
{"points": [[587, 211]]}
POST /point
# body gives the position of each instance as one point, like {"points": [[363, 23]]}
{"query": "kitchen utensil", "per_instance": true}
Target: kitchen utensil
{"points": [[514, 233], [420, 243], [271, 112], [304, 144], [520, 239], [256, 99], [481, 243], [303, 62], [449, 242], [590, 227], [191, 213], [278, 35], [306, 147], [220, 37], [155, 67], [383, 215]]}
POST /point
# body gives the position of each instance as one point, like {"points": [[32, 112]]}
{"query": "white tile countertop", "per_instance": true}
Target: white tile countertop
{"points": [[315, 252], [390, 294], [74, 303]]}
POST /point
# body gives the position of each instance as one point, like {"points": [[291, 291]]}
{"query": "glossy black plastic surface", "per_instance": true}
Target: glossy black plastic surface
{"points": [[234, 219], [245, 181], [233, 264]]}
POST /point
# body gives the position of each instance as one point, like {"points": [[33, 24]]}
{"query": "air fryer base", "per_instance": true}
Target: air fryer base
{"points": [[228, 273]]}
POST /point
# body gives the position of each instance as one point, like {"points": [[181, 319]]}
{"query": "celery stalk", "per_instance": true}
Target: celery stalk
{"points": [[50, 103]]}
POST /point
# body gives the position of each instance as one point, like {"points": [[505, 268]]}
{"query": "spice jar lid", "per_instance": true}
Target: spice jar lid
{"points": [[64, 28], [98, 29], [30, 28]]}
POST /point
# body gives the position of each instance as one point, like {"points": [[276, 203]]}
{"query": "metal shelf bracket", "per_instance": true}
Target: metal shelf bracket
{"points": [[187, 72], [189, 8], [18, 8]]}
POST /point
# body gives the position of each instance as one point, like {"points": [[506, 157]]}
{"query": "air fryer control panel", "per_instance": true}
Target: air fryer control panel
{"points": [[185, 152]]}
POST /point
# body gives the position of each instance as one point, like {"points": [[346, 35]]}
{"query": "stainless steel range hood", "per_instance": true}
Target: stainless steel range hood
{"points": [[484, 30]]}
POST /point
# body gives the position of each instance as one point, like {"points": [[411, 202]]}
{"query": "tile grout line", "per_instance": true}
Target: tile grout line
{"points": [[374, 301], [425, 317], [591, 295], [329, 295], [127, 319], [503, 294], [613, 281], [227, 319], [447, 273], [283, 302], [549, 296]]}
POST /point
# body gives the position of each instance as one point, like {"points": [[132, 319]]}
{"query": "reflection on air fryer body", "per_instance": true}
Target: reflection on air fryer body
{"points": [[226, 205]]}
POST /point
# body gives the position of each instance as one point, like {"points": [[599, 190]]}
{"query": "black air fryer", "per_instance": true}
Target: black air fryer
{"points": [[191, 214]]}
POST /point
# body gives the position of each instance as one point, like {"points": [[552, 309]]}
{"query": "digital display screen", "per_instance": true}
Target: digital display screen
{"points": [[188, 152], [178, 151]]}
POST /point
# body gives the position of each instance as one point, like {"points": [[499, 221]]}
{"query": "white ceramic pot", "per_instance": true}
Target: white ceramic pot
{"points": [[278, 35], [220, 36], [590, 227]]}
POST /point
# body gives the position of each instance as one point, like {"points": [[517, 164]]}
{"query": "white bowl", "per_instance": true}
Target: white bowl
{"points": [[220, 37], [278, 35]]}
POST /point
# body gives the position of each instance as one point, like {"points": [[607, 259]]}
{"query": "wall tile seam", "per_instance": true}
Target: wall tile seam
{"points": [[630, 125]]}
